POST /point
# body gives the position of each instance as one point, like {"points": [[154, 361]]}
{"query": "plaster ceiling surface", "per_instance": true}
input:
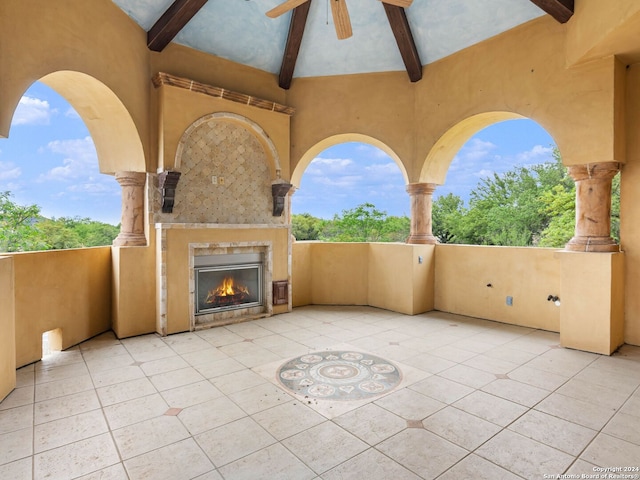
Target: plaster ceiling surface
{"points": [[239, 30]]}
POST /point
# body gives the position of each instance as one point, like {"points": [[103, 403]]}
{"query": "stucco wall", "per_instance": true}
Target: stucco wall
{"points": [[528, 275], [384, 275], [66, 289], [630, 211], [7, 326]]}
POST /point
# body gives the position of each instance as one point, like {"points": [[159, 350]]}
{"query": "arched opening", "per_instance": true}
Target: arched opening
{"points": [[353, 189], [506, 185], [69, 134]]}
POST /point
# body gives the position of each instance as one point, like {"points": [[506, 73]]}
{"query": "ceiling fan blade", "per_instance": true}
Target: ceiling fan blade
{"points": [[284, 7], [341, 18], [398, 3]]}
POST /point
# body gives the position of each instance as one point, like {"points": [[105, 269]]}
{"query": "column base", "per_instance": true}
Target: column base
{"points": [[130, 240], [592, 244], [422, 239]]}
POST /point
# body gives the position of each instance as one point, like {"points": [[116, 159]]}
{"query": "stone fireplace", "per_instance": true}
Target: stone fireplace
{"points": [[220, 209], [229, 281]]}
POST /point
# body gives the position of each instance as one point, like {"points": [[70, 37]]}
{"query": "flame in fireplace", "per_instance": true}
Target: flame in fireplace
{"points": [[228, 288]]}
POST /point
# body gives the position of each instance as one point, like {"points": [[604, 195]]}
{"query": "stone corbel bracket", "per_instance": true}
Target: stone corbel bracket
{"points": [[279, 190], [168, 182]]}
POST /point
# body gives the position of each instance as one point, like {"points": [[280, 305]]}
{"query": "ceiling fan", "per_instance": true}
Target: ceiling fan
{"points": [[338, 11]]}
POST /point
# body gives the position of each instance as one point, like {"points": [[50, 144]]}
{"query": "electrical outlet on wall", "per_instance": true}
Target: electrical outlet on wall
{"points": [[214, 180], [221, 180]]}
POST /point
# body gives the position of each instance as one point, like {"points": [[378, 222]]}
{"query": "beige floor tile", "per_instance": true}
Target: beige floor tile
{"points": [[321, 343], [580, 467], [562, 361], [208, 355], [472, 377], [60, 388], [473, 345], [219, 368], [248, 330], [163, 365], [299, 335], [150, 354], [288, 419], [148, 435], [608, 451], [477, 468], [219, 337], [396, 353], [625, 382], [442, 389], [277, 325], [491, 408], [258, 358], [114, 472], [184, 343], [228, 443], [518, 392], [237, 381], [18, 470], [370, 465], [116, 375], [453, 353], [58, 359], [592, 393], [16, 419], [134, 411], [409, 404], [62, 407], [192, 394], [461, 428], [19, 397], [212, 475], [272, 463], [241, 348], [161, 464], [625, 427], [576, 411], [523, 456], [560, 434], [106, 352], [76, 459], [324, 446], [512, 355], [491, 365], [632, 406], [537, 378], [255, 399], [107, 363], [25, 378], [16, 445], [205, 416], [176, 378], [68, 430], [122, 392], [422, 452], [371, 423]]}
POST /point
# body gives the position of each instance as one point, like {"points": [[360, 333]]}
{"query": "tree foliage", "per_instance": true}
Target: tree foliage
{"points": [[525, 206], [22, 228]]}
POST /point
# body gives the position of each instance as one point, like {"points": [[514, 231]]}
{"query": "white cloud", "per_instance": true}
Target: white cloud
{"points": [[80, 160], [476, 150], [383, 170], [71, 113], [8, 171], [538, 154], [345, 181], [484, 173], [33, 111], [325, 166]]}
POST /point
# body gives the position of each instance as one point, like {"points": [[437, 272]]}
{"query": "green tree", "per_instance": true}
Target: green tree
{"points": [[363, 223], [447, 214], [17, 231], [304, 226]]}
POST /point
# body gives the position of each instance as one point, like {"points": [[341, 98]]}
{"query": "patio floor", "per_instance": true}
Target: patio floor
{"points": [[476, 399]]}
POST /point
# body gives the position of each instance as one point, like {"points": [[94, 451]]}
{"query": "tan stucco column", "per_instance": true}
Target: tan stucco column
{"points": [[421, 195], [593, 207], [132, 222]]}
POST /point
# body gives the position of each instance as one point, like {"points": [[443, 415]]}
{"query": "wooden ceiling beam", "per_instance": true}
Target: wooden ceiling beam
{"points": [[171, 22], [292, 48], [561, 10], [404, 38]]}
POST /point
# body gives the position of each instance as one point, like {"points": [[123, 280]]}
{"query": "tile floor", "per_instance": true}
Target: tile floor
{"points": [[478, 400]]}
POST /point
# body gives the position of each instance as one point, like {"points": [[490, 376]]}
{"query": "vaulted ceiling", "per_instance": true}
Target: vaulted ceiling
{"points": [[303, 42]]}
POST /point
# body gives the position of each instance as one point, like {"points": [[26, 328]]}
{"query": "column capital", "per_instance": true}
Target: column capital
{"points": [[594, 171], [421, 188], [131, 179]]}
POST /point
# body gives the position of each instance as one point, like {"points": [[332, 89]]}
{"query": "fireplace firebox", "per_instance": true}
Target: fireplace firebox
{"points": [[228, 282]]}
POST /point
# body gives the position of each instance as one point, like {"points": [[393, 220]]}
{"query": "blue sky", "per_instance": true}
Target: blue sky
{"points": [[49, 160]]}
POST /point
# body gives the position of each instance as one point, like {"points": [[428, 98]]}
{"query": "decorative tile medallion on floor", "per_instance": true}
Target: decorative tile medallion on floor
{"points": [[339, 375]]}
